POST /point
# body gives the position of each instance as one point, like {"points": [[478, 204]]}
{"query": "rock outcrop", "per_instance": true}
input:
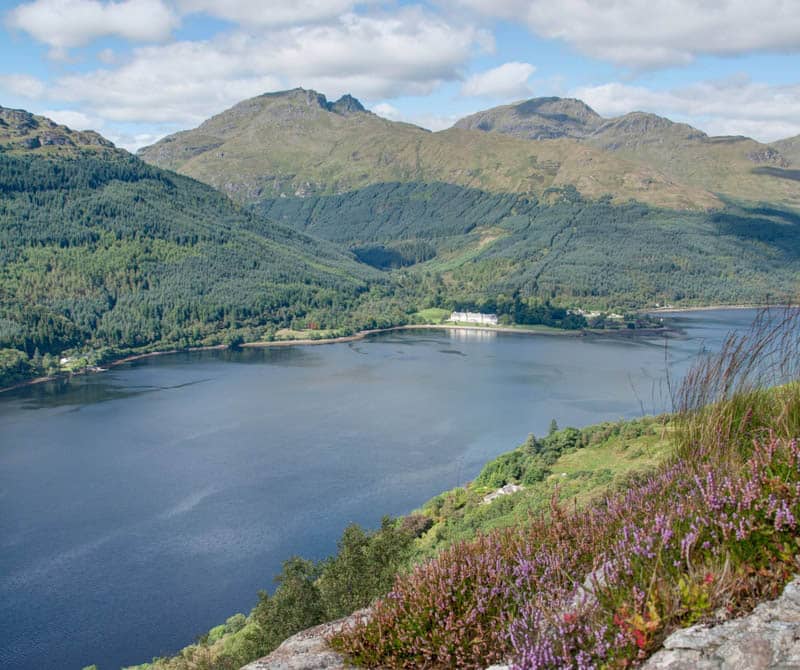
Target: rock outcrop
{"points": [[21, 130], [309, 649], [767, 638]]}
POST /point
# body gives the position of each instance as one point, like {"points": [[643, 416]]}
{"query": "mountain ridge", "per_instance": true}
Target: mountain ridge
{"points": [[21, 130], [291, 144], [735, 166], [297, 143]]}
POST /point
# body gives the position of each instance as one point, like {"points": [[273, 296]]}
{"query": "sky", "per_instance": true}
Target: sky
{"points": [[136, 70]]}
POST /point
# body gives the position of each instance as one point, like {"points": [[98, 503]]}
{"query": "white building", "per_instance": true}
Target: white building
{"points": [[506, 490], [474, 317]]}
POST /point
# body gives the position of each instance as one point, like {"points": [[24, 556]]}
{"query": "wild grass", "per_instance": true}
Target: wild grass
{"points": [[749, 390], [710, 533]]}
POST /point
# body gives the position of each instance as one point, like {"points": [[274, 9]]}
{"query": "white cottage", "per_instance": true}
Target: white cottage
{"points": [[474, 317]]}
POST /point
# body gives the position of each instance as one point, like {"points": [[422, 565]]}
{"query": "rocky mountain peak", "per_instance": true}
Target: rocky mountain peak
{"points": [[559, 109], [537, 119], [645, 123], [346, 105], [21, 130]]}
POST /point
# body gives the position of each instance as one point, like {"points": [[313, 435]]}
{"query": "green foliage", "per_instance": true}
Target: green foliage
{"points": [[14, 366], [564, 247], [107, 251], [365, 566], [294, 606], [388, 212], [531, 462]]}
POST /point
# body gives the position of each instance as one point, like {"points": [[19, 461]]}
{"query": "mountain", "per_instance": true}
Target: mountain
{"points": [[23, 131], [350, 221], [475, 215], [736, 167], [101, 250], [537, 119], [296, 143]]}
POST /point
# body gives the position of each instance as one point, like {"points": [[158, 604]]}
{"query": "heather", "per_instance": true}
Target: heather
{"points": [[709, 534], [572, 464]]}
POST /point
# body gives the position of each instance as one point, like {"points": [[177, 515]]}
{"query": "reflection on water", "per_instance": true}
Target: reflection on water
{"points": [[470, 335], [161, 495]]}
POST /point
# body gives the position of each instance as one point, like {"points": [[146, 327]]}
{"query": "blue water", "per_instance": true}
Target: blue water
{"points": [[141, 506]]}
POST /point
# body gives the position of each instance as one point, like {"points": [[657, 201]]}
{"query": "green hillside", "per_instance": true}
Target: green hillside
{"points": [[737, 167], [104, 254], [619, 213], [296, 143], [99, 250], [790, 149], [579, 252]]}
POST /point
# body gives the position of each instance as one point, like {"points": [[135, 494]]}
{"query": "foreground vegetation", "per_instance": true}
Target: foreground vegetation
{"points": [[714, 527], [631, 528], [565, 463]]}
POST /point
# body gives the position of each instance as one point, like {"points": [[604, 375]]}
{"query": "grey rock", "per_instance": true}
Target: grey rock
{"points": [[309, 649], [766, 639]]}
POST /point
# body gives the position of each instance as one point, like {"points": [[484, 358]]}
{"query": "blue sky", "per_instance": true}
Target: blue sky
{"points": [[138, 69]]}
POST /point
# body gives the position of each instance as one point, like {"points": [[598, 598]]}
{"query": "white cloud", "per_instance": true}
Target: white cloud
{"points": [[423, 120], [433, 121], [133, 141], [387, 111], [647, 34], [410, 52], [73, 119], [63, 24], [509, 80], [273, 13], [22, 85], [735, 106]]}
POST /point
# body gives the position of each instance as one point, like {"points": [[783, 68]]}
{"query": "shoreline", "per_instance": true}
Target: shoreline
{"points": [[708, 308], [363, 334]]}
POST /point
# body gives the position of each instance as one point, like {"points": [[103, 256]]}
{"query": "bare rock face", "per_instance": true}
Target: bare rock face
{"points": [[309, 650], [766, 639], [537, 119], [21, 130]]}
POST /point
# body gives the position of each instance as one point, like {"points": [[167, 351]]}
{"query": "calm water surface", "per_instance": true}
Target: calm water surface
{"points": [[141, 506]]}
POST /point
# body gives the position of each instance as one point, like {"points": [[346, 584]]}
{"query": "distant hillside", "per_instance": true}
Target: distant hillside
{"points": [[537, 119], [561, 248], [790, 149], [296, 143], [23, 131], [738, 167], [99, 249]]}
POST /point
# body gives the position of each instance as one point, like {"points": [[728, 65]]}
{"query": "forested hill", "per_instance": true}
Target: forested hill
{"points": [[577, 252], [99, 250], [102, 253]]}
